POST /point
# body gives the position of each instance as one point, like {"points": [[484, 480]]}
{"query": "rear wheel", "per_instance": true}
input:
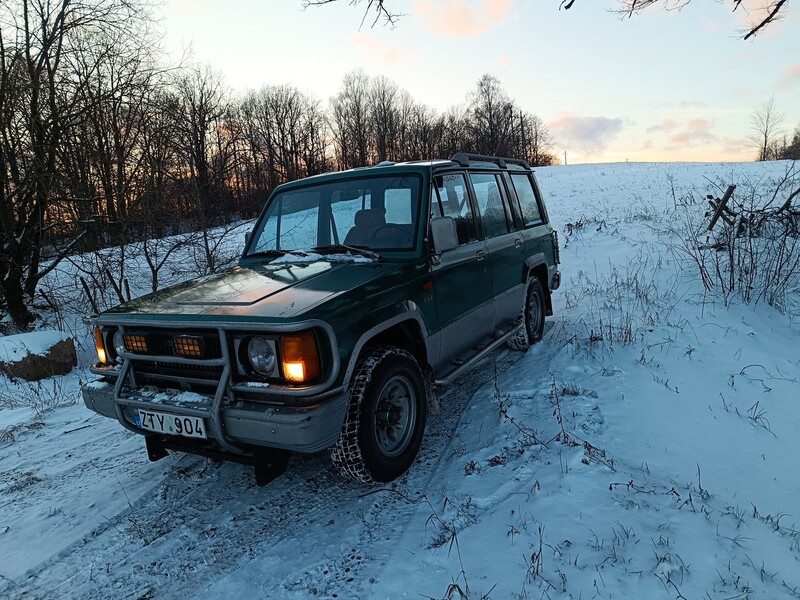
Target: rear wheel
{"points": [[385, 420], [532, 317]]}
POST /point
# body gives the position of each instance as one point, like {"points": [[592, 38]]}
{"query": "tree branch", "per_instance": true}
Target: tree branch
{"points": [[380, 10], [767, 20]]}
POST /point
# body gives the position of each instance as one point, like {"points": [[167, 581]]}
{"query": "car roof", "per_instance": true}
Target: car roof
{"points": [[460, 160]]}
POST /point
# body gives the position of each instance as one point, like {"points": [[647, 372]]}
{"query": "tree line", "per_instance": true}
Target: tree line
{"points": [[768, 135], [100, 143]]}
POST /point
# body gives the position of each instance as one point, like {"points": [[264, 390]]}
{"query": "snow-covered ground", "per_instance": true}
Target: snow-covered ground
{"points": [[647, 448]]}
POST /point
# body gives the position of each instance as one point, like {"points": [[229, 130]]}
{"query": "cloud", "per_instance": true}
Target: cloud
{"points": [[691, 104], [462, 18], [665, 125], [697, 132], [376, 49], [740, 146], [586, 134], [790, 77]]}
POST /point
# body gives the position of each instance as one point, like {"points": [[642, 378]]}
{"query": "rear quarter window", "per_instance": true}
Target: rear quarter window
{"points": [[529, 205]]}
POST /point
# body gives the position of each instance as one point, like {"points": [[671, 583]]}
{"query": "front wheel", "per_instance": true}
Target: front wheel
{"points": [[532, 317], [385, 420]]}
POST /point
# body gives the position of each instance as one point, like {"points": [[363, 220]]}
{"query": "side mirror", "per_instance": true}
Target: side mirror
{"points": [[247, 237], [445, 236]]}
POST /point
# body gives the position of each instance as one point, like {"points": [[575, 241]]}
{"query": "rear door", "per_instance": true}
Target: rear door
{"points": [[505, 246], [536, 231]]}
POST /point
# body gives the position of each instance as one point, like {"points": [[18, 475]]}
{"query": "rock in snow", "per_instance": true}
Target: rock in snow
{"points": [[37, 355]]}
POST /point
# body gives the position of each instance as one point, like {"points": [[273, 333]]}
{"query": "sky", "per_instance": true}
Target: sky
{"points": [[660, 86]]}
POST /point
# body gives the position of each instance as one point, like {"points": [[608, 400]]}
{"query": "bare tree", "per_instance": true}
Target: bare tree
{"points": [[765, 128], [491, 117], [282, 137], [535, 141], [205, 150], [43, 80], [792, 150], [349, 116], [385, 117]]}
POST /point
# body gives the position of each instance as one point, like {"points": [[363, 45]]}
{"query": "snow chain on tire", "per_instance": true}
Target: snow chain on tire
{"points": [[522, 340], [347, 454]]}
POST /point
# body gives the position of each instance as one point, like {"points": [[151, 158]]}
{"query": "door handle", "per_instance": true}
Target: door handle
{"points": [[481, 254], [517, 242]]}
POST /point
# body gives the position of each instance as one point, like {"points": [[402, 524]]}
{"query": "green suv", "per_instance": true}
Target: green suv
{"points": [[357, 292]]}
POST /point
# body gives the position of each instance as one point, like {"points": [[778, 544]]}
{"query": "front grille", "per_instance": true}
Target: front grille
{"points": [[186, 345], [198, 345]]}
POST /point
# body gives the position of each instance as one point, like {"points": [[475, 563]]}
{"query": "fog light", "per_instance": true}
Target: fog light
{"points": [[187, 345], [135, 342]]}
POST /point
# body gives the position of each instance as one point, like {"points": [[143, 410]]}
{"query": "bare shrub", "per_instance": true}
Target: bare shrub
{"points": [[754, 251]]}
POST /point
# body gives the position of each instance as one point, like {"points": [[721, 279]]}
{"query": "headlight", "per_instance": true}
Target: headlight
{"points": [[261, 356], [119, 343]]}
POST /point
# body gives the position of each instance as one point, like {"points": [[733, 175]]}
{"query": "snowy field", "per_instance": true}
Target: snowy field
{"points": [[647, 448]]}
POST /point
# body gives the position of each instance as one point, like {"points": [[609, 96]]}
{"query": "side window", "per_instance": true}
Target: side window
{"points": [[490, 204], [398, 205], [451, 200], [531, 214]]}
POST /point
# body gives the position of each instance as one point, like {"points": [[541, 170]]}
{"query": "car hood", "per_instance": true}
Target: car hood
{"points": [[279, 292]]}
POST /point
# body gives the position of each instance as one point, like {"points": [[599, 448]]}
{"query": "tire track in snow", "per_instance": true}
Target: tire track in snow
{"points": [[201, 519]]}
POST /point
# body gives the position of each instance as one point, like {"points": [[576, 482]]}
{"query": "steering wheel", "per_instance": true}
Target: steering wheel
{"points": [[390, 226]]}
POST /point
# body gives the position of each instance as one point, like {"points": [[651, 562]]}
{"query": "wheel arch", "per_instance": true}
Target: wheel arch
{"points": [[405, 330], [538, 269]]}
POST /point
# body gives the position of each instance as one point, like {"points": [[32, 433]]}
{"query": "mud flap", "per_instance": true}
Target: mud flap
{"points": [[155, 449], [270, 464]]}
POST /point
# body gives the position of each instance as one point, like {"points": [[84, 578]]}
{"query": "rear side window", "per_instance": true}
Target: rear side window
{"points": [[452, 200], [490, 203], [531, 214]]}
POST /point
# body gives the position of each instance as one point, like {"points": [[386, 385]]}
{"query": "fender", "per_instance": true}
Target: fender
{"points": [[377, 322], [535, 260]]}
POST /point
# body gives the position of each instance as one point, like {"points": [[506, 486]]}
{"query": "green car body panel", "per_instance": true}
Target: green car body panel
{"points": [[444, 308]]}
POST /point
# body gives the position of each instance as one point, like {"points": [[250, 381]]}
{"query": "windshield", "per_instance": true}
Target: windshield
{"points": [[372, 213]]}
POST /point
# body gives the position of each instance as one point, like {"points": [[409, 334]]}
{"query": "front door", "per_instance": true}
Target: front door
{"points": [[462, 279]]}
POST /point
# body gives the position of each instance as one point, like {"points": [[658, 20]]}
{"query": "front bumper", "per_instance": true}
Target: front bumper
{"points": [[243, 423]]}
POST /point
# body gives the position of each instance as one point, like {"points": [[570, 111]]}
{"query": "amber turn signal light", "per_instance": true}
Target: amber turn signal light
{"points": [[300, 357], [102, 356]]}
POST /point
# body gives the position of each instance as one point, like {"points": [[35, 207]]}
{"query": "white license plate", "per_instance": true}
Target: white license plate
{"points": [[170, 424]]}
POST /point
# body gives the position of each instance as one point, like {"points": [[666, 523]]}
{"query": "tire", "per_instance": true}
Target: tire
{"points": [[532, 317], [385, 419]]}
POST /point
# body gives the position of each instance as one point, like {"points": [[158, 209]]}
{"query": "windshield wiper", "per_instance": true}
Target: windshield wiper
{"points": [[354, 249], [275, 252]]}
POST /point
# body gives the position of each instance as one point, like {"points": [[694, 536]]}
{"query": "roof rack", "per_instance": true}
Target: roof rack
{"points": [[464, 158]]}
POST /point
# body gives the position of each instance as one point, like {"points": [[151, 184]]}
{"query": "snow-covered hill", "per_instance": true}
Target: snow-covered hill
{"points": [[647, 448]]}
